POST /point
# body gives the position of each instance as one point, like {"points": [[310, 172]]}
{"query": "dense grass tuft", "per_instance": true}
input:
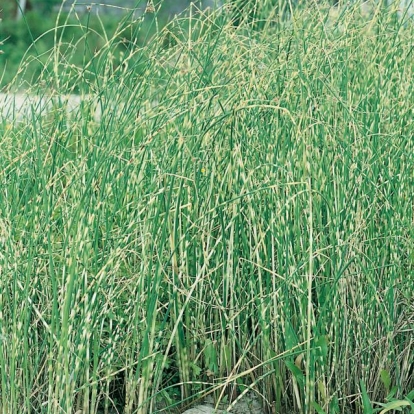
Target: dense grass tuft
{"points": [[239, 218]]}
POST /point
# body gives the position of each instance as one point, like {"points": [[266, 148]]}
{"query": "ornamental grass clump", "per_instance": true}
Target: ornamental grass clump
{"points": [[239, 219]]}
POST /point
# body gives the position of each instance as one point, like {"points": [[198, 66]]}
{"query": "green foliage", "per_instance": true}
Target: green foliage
{"points": [[44, 7], [259, 13], [391, 404], [233, 212]]}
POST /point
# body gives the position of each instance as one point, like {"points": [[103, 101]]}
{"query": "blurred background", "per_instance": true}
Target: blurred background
{"points": [[11, 9], [25, 21]]}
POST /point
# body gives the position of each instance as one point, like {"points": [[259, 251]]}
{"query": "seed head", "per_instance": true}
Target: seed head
{"points": [[150, 8]]}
